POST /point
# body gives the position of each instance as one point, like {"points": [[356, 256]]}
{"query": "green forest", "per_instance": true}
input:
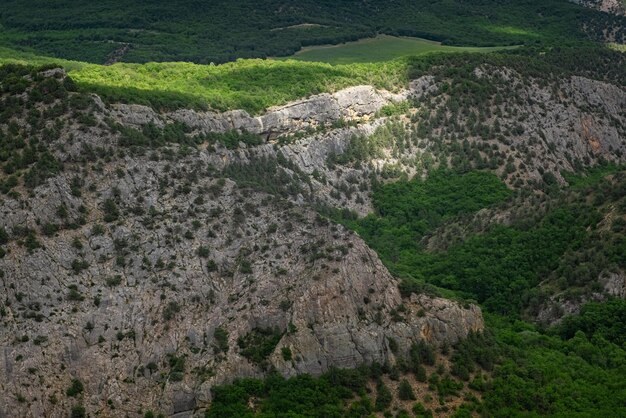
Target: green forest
{"points": [[574, 369], [222, 30]]}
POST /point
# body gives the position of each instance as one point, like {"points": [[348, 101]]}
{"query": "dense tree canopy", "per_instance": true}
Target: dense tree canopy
{"points": [[222, 30]]}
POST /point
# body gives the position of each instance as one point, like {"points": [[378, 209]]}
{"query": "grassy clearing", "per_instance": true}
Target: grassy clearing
{"points": [[378, 49]]}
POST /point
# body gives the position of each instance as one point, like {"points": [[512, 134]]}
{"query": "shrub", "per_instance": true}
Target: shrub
{"points": [[383, 397], [170, 310], [405, 391], [259, 343], [203, 252], [221, 340], [79, 265], [113, 281], [211, 266], [76, 388], [74, 294], [78, 411], [111, 212]]}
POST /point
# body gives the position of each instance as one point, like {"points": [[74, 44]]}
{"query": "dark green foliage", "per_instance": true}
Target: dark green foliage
{"points": [[219, 31], [259, 343], [31, 242], [405, 391], [419, 411], [113, 281], [111, 212], [406, 210], [78, 411], [79, 265], [46, 166], [421, 353], [286, 352], [598, 320], [585, 60], [502, 266], [75, 388], [171, 310], [270, 175], [177, 367], [211, 265], [383, 396], [49, 229], [74, 294], [298, 396], [203, 251], [221, 340]]}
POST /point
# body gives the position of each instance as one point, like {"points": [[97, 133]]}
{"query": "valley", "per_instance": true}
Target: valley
{"points": [[380, 48], [390, 227]]}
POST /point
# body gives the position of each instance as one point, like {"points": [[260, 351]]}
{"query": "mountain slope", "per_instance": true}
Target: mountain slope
{"points": [[189, 252]]}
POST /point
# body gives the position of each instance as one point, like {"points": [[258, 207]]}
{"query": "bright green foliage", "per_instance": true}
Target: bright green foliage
{"points": [[540, 374], [406, 210], [499, 267], [253, 85]]}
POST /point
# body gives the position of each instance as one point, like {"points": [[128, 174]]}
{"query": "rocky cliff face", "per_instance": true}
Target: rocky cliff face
{"points": [[151, 275], [610, 6], [527, 128], [112, 307], [150, 270]]}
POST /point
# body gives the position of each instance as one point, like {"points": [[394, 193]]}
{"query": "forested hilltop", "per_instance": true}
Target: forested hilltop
{"points": [[435, 231], [222, 30]]}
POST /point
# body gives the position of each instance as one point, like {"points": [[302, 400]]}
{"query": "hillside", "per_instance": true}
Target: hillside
{"points": [[610, 6], [220, 31], [417, 234]]}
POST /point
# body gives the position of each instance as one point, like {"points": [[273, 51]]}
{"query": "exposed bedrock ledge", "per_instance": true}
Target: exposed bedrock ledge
{"points": [[354, 103]]}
